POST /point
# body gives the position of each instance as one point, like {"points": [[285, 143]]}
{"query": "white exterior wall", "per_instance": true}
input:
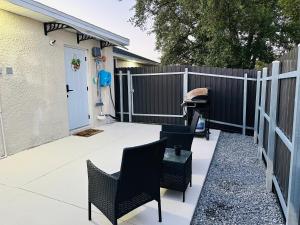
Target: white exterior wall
{"points": [[1, 143], [34, 101], [108, 107]]}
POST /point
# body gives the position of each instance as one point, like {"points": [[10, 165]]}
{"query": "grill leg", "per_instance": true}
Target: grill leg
{"points": [[183, 197], [90, 211], [159, 212]]}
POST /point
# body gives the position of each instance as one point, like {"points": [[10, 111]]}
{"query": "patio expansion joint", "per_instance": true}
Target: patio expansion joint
{"points": [[5, 185], [47, 173], [62, 202], [65, 164], [51, 198], [57, 200], [57, 168]]}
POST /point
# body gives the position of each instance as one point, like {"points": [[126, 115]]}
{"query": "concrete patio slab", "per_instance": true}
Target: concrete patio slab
{"points": [[50, 181], [24, 207]]}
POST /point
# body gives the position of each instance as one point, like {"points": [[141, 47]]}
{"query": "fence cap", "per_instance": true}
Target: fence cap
{"points": [[265, 70], [258, 73], [276, 61]]}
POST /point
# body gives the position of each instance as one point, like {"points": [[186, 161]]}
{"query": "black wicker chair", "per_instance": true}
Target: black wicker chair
{"points": [[180, 134], [137, 183]]}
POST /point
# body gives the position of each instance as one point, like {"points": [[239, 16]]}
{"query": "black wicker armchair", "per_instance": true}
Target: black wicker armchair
{"points": [[137, 183], [180, 134]]}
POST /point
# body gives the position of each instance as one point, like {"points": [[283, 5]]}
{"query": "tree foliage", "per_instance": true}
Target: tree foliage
{"points": [[223, 33], [291, 11]]}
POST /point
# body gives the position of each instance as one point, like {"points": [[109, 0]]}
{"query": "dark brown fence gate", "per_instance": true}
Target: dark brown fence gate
{"points": [[156, 93], [277, 129]]}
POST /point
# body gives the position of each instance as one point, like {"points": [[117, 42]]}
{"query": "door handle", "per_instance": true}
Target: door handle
{"points": [[68, 88]]}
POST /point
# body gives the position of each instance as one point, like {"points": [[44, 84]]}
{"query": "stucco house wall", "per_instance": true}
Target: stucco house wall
{"points": [[34, 101]]}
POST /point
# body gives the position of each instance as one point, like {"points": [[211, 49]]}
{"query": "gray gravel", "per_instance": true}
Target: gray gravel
{"points": [[234, 191]]}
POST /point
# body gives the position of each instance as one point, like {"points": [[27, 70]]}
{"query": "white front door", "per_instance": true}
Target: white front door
{"points": [[76, 87]]}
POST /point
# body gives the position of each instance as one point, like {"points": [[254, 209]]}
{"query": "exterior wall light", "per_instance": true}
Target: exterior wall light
{"points": [[52, 42]]}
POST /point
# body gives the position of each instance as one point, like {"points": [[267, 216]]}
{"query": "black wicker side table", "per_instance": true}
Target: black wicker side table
{"points": [[176, 171]]}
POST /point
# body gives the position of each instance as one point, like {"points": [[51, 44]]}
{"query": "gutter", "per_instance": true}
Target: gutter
{"points": [[2, 131]]}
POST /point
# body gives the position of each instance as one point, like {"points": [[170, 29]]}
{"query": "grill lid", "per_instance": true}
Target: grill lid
{"points": [[196, 93]]}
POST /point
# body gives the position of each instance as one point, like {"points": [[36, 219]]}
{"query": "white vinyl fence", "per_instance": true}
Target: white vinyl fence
{"points": [[277, 130]]}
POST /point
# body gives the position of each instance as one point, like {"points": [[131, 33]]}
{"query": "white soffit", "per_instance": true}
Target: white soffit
{"points": [[133, 59]]}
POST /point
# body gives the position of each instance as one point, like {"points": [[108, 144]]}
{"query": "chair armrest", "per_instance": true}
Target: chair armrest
{"points": [[175, 138], [175, 128], [102, 188]]}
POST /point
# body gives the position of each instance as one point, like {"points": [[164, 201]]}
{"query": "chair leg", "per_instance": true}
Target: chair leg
{"points": [[159, 212], [116, 222], [90, 211], [191, 173]]}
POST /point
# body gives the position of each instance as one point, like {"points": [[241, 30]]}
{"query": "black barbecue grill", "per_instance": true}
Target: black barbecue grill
{"points": [[198, 99]]}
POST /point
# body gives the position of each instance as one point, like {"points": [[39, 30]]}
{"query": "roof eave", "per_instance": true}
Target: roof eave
{"points": [[142, 61], [72, 21]]}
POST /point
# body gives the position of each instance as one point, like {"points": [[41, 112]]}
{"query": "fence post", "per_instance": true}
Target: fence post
{"points": [[129, 96], [245, 103], [293, 204], [121, 95], [185, 88], [185, 82], [262, 112], [257, 106], [272, 125]]}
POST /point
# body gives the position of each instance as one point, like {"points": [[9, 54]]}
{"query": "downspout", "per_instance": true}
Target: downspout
{"points": [[2, 131]]}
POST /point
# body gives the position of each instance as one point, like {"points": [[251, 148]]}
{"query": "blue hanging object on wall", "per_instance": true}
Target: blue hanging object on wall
{"points": [[105, 78]]}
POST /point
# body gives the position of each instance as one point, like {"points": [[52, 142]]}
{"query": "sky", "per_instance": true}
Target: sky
{"points": [[112, 15]]}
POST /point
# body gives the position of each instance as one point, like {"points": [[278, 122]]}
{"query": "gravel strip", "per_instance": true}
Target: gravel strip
{"points": [[234, 191]]}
